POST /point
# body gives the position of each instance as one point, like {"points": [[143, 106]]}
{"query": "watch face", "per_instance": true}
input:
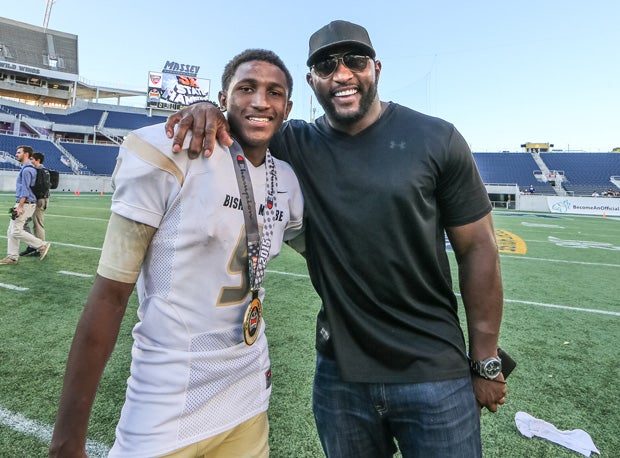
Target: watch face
{"points": [[492, 368]]}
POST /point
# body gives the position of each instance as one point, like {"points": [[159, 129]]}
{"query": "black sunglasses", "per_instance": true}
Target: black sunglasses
{"points": [[354, 62]]}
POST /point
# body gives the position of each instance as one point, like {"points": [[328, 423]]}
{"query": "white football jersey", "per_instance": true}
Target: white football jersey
{"points": [[192, 374]]}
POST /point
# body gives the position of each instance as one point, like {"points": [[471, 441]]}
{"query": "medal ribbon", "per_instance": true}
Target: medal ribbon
{"points": [[258, 249]]}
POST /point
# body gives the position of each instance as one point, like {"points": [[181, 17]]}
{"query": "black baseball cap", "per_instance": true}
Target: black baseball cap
{"points": [[338, 33]]}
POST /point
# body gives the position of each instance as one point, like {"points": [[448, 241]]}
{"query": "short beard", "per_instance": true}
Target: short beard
{"points": [[349, 118]]}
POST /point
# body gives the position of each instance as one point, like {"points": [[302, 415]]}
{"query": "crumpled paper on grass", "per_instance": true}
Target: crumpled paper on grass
{"points": [[577, 439]]}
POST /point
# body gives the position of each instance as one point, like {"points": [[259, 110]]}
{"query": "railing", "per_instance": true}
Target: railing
{"points": [[115, 139], [21, 134], [75, 165]]}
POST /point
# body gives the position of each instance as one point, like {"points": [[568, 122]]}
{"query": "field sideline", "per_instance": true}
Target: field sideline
{"points": [[561, 323]]}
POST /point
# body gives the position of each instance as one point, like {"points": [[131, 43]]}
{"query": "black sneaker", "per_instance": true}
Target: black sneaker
{"points": [[28, 251]]}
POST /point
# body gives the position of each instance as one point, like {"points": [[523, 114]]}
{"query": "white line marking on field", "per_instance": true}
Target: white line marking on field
{"points": [[13, 287], [96, 248], [550, 226], [555, 306], [289, 274], [75, 274], [86, 218], [562, 260], [564, 307], [583, 244], [539, 304], [19, 423]]}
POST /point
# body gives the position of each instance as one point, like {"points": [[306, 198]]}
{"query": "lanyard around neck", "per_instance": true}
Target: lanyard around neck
{"points": [[258, 249]]}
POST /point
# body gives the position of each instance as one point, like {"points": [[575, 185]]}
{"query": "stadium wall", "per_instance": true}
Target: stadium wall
{"points": [[598, 206], [66, 183]]}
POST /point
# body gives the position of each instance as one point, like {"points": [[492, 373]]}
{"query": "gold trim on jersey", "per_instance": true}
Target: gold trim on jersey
{"points": [[153, 156]]}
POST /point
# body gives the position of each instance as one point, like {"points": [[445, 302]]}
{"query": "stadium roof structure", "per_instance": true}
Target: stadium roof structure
{"points": [[31, 49], [39, 65], [91, 91]]}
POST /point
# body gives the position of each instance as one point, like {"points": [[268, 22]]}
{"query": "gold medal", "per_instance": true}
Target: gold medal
{"points": [[251, 321]]}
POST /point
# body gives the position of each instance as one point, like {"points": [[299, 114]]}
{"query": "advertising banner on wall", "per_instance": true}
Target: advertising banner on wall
{"points": [[584, 205], [176, 86]]}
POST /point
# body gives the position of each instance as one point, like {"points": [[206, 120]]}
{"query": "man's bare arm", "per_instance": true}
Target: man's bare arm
{"points": [[92, 345], [482, 293], [205, 121]]}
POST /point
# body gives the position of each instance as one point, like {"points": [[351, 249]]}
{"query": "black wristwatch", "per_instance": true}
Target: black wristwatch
{"points": [[489, 368]]}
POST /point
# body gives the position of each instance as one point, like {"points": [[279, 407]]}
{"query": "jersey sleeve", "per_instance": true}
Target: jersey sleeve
{"points": [[142, 191], [145, 181], [124, 248]]}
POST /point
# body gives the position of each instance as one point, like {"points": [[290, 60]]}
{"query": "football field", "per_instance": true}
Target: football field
{"points": [[561, 324]]}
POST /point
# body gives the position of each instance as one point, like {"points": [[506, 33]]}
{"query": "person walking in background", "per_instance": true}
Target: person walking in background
{"points": [[38, 217], [382, 185], [24, 208], [200, 374]]}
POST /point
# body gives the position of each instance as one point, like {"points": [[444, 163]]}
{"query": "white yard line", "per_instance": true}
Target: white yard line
{"points": [[564, 307], [84, 247], [87, 218], [13, 287], [288, 274], [75, 274], [516, 301], [585, 263], [43, 432]]}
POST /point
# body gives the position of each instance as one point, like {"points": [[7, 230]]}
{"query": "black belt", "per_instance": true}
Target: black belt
{"points": [[28, 202]]}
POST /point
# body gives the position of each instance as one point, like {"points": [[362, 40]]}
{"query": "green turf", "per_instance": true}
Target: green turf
{"points": [[567, 370]]}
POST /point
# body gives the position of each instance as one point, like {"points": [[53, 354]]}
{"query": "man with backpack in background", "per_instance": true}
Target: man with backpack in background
{"points": [[23, 209], [41, 190]]}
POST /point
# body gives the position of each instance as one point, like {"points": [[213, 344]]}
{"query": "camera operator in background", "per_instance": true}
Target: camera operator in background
{"points": [[24, 208], [38, 217]]}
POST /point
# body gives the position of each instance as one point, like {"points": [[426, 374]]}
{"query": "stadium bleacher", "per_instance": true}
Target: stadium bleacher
{"points": [[9, 144], [75, 130], [88, 117], [132, 121], [584, 173], [100, 159], [23, 111], [509, 168]]}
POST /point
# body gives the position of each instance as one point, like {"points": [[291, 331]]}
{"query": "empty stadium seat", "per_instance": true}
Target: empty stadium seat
{"points": [[585, 172], [9, 143], [505, 168], [100, 159]]}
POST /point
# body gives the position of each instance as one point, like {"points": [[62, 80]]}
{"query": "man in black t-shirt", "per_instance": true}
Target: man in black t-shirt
{"points": [[383, 185]]}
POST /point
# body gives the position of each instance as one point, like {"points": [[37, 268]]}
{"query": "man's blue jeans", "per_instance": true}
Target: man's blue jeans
{"points": [[363, 420]]}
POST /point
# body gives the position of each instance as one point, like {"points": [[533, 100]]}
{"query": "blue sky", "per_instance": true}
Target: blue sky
{"points": [[504, 73]]}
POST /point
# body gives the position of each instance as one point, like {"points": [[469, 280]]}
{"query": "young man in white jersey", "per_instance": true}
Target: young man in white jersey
{"points": [[200, 374]]}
